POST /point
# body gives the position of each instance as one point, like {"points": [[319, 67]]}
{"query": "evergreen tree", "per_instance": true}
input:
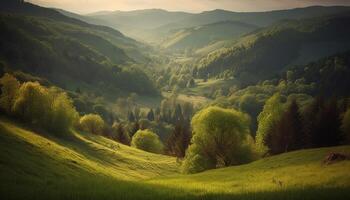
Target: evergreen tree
{"points": [[150, 115], [134, 129], [288, 134], [323, 123], [120, 134], [177, 114], [329, 133], [131, 117], [179, 140]]}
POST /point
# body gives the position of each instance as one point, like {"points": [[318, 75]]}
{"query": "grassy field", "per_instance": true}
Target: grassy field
{"points": [[34, 166]]}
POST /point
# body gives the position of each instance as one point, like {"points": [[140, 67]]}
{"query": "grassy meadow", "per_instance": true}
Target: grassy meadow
{"points": [[93, 167]]}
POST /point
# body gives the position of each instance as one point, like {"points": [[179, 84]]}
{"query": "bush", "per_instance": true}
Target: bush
{"points": [[147, 141], [92, 123], [219, 139]]}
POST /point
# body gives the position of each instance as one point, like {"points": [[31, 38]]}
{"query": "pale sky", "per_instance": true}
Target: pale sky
{"points": [[88, 6]]}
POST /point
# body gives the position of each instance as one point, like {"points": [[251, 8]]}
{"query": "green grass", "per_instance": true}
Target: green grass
{"points": [[39, 166]]}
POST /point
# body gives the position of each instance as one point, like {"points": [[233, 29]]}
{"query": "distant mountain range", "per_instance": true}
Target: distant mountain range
{"points": [[152, 24]]}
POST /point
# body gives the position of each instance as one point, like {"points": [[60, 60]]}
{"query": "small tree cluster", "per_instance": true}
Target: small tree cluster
{"points": [[284, 128], [48, 108]]}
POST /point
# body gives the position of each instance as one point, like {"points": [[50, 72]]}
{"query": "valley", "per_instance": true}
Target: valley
{"points": [[158, 104]]}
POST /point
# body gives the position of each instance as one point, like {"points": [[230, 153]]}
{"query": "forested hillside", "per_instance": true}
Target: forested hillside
{"points": [[197, 37], [150, 25], [46, 43], [157, 104], [268, 52]]}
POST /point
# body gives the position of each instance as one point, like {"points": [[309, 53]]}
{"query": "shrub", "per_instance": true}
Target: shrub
{"points": [[92, 123], [147, 141], [219, 138]]}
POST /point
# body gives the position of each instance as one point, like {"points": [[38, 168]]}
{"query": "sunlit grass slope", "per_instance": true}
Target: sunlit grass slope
{"points": [[291, 176], [34, 166]]}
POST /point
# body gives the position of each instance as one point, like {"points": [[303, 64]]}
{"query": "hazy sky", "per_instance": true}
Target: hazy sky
{"points": [[87, 6]]}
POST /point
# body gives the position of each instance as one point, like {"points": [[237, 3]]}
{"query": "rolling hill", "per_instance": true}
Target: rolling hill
{"points": [[197, 37], [139, 23], [89, 166], [151, 24], [45, 43], [267, 52]]}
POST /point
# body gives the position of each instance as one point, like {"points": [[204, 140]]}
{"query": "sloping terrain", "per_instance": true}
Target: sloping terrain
{"points": [[69, 52], [197, 37], [152, 24], [92, 167], [267, 52], [296, 175]]}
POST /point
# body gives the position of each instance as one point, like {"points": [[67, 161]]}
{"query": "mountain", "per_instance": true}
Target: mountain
{"points": [[43, 42], [151, 25], [136, 23], [260, 18], [197, 37], [266, 52]]}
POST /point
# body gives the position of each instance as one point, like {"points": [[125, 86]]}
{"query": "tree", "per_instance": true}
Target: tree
{"points": [[33, 104], [179, 140], [135, 127], [63, 114], [191, 83], [323, 123], [147, 141], [346, 126], [177, 114], [9, 91], [219, 138], [120, 135], [131, 116], [92, 123], [267, 122], [288, 134], [150, 115], [328, 127], [50, 109]]}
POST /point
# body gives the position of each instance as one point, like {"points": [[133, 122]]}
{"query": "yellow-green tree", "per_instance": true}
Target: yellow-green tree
{"points": [[48, 108], [147, 141], [92, 123], [63, 113], [33, 103], [220, 138], [9, 90], [267, 121]]}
